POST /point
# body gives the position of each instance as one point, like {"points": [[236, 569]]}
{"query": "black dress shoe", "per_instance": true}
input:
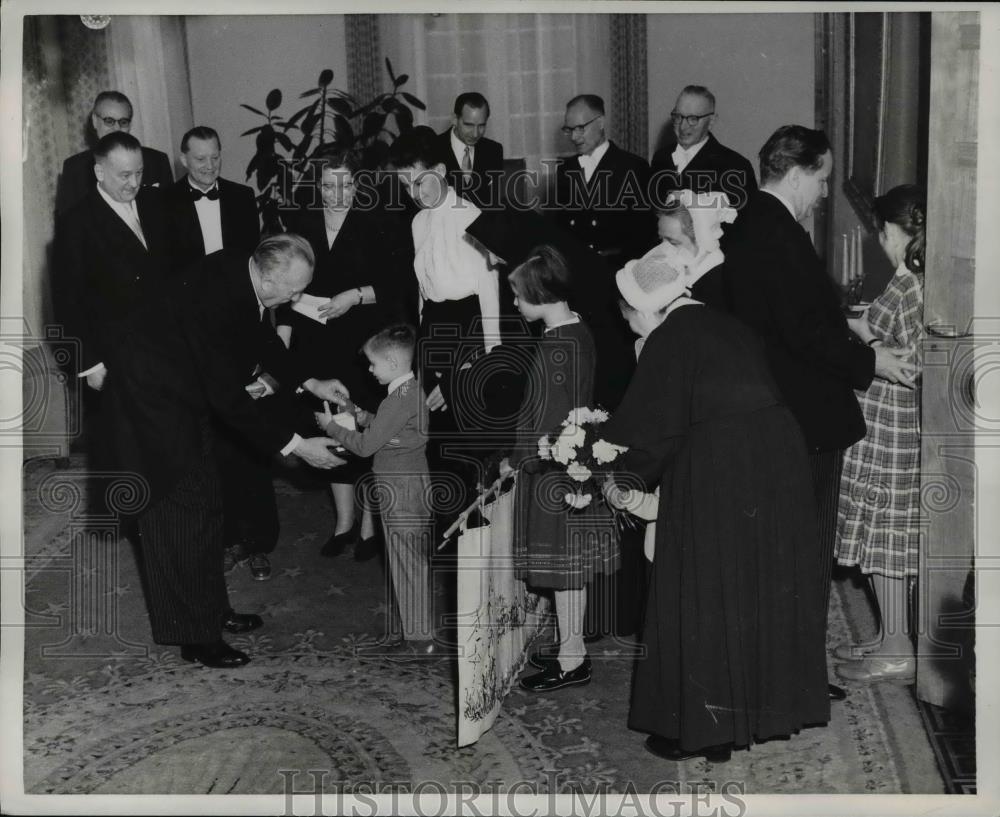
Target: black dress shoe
{"points": [[835, 692], [552, 677], [335, 544], [367, 549], [241, 622], [670, 750], [218, 654]]}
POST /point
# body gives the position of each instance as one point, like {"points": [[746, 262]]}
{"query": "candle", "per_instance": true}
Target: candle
{"points": [[861, 256], [845, 273]]}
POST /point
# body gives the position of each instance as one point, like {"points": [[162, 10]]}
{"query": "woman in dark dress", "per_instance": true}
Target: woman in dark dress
{"points": [[364, 265], [734, 633]]}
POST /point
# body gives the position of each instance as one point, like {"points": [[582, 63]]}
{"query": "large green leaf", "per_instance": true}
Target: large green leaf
{"points": [[273, 100], [388, 66], [401, 80], [404, 118], [249, 108], [284, 141], [310, 92], [341, 106], [325, 77], [252, 130], [344, 131], [372, 125]]}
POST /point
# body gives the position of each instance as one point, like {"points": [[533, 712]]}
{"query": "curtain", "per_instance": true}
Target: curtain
{"points": [[527, 65], [365, 72], [65, 66], [149, 65], [628, 80]]}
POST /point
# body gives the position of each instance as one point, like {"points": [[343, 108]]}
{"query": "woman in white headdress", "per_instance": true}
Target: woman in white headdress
{"points": [[690, 226], [734, 634]]}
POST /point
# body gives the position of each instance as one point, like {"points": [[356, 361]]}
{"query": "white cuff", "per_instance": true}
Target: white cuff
{"points": [[95, 368], [292, 445]]}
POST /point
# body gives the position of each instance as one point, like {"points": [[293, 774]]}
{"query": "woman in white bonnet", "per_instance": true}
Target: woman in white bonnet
{"points": [[733, 632], [690, 226]]}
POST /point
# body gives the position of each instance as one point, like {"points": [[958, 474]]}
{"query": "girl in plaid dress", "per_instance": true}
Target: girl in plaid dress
{"points": [[879, 511]]}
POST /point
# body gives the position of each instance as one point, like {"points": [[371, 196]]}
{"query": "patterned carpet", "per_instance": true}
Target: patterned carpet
{"points": [[106, 711]]}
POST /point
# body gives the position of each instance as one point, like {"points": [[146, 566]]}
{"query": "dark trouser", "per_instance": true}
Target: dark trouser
{"points": [[826, 467], [249, 506], [181, 540], [616, 601], [450, 334]]}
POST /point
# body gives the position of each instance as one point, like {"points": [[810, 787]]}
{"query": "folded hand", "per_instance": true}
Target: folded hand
{"points": [[316, 452]]}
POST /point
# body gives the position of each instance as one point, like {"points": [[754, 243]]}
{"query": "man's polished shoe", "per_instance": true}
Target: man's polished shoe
{"points": [[877, 668], [335, 545], [552, 677], [218, 655], [835, 692], [670, 750], [260, 567], [241, 622]]}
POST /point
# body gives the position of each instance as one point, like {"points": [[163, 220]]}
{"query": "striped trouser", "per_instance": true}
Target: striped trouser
{"points": [[181, 541], [826, 467]]}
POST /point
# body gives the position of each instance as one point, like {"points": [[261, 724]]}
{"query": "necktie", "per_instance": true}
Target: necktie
{"points": [[211, 195], [467, 161], [133, 222]]}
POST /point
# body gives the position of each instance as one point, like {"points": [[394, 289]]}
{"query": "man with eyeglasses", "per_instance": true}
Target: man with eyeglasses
{"points": [[699, 162], [112, 112], [601, 190]]}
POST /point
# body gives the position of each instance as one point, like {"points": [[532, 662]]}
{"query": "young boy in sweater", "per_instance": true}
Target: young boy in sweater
{"points": [[396, 436]]}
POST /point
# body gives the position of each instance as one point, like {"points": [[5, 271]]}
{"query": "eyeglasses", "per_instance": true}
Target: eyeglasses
{"points": [[110, 121], [691, 120], [572, 131]]}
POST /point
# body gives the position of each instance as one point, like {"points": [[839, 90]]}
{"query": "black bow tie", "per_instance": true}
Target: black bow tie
{"points": [[211, 195]]}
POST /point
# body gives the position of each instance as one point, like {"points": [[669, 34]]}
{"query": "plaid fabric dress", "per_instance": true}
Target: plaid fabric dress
{"points": [[879, 510]]}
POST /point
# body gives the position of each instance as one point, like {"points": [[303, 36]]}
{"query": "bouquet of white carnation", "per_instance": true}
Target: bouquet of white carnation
{"points": [[577, 448]]}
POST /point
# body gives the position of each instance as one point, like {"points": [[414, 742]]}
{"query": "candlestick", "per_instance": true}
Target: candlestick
{"points": [[845, 273]]}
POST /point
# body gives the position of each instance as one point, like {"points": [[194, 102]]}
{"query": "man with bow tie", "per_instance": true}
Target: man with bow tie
{"points": [[209, 213], [699, 162]]}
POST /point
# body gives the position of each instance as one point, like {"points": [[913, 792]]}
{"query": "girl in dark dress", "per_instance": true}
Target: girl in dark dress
{"points": [[555, 548], [364, 266], [734, 631]]}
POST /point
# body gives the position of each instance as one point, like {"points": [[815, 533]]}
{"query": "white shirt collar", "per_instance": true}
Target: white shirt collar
{"points": [[782, 199], [688, 153], [260, 306], [567, 322], [399, 381], [119, 206], [595, 156], [193, 186]]}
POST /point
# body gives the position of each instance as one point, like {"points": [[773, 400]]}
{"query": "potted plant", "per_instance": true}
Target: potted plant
{"points": [[332, 117]]}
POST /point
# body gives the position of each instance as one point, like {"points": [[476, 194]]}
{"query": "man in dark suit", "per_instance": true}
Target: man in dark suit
{"points": [[160, 368], [778, 285], [601, 192], [473, 162], [112, 112], [600, 198], [209, 213], [699, 162]]}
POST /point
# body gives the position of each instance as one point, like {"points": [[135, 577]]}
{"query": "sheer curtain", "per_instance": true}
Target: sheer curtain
{"points": [[527, 65]]}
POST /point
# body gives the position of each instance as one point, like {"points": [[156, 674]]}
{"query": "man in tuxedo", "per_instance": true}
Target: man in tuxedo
{"points": [[209, 213], [158, 362], [778, 285], [699, 162], [473, 162], [112, 112]]}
